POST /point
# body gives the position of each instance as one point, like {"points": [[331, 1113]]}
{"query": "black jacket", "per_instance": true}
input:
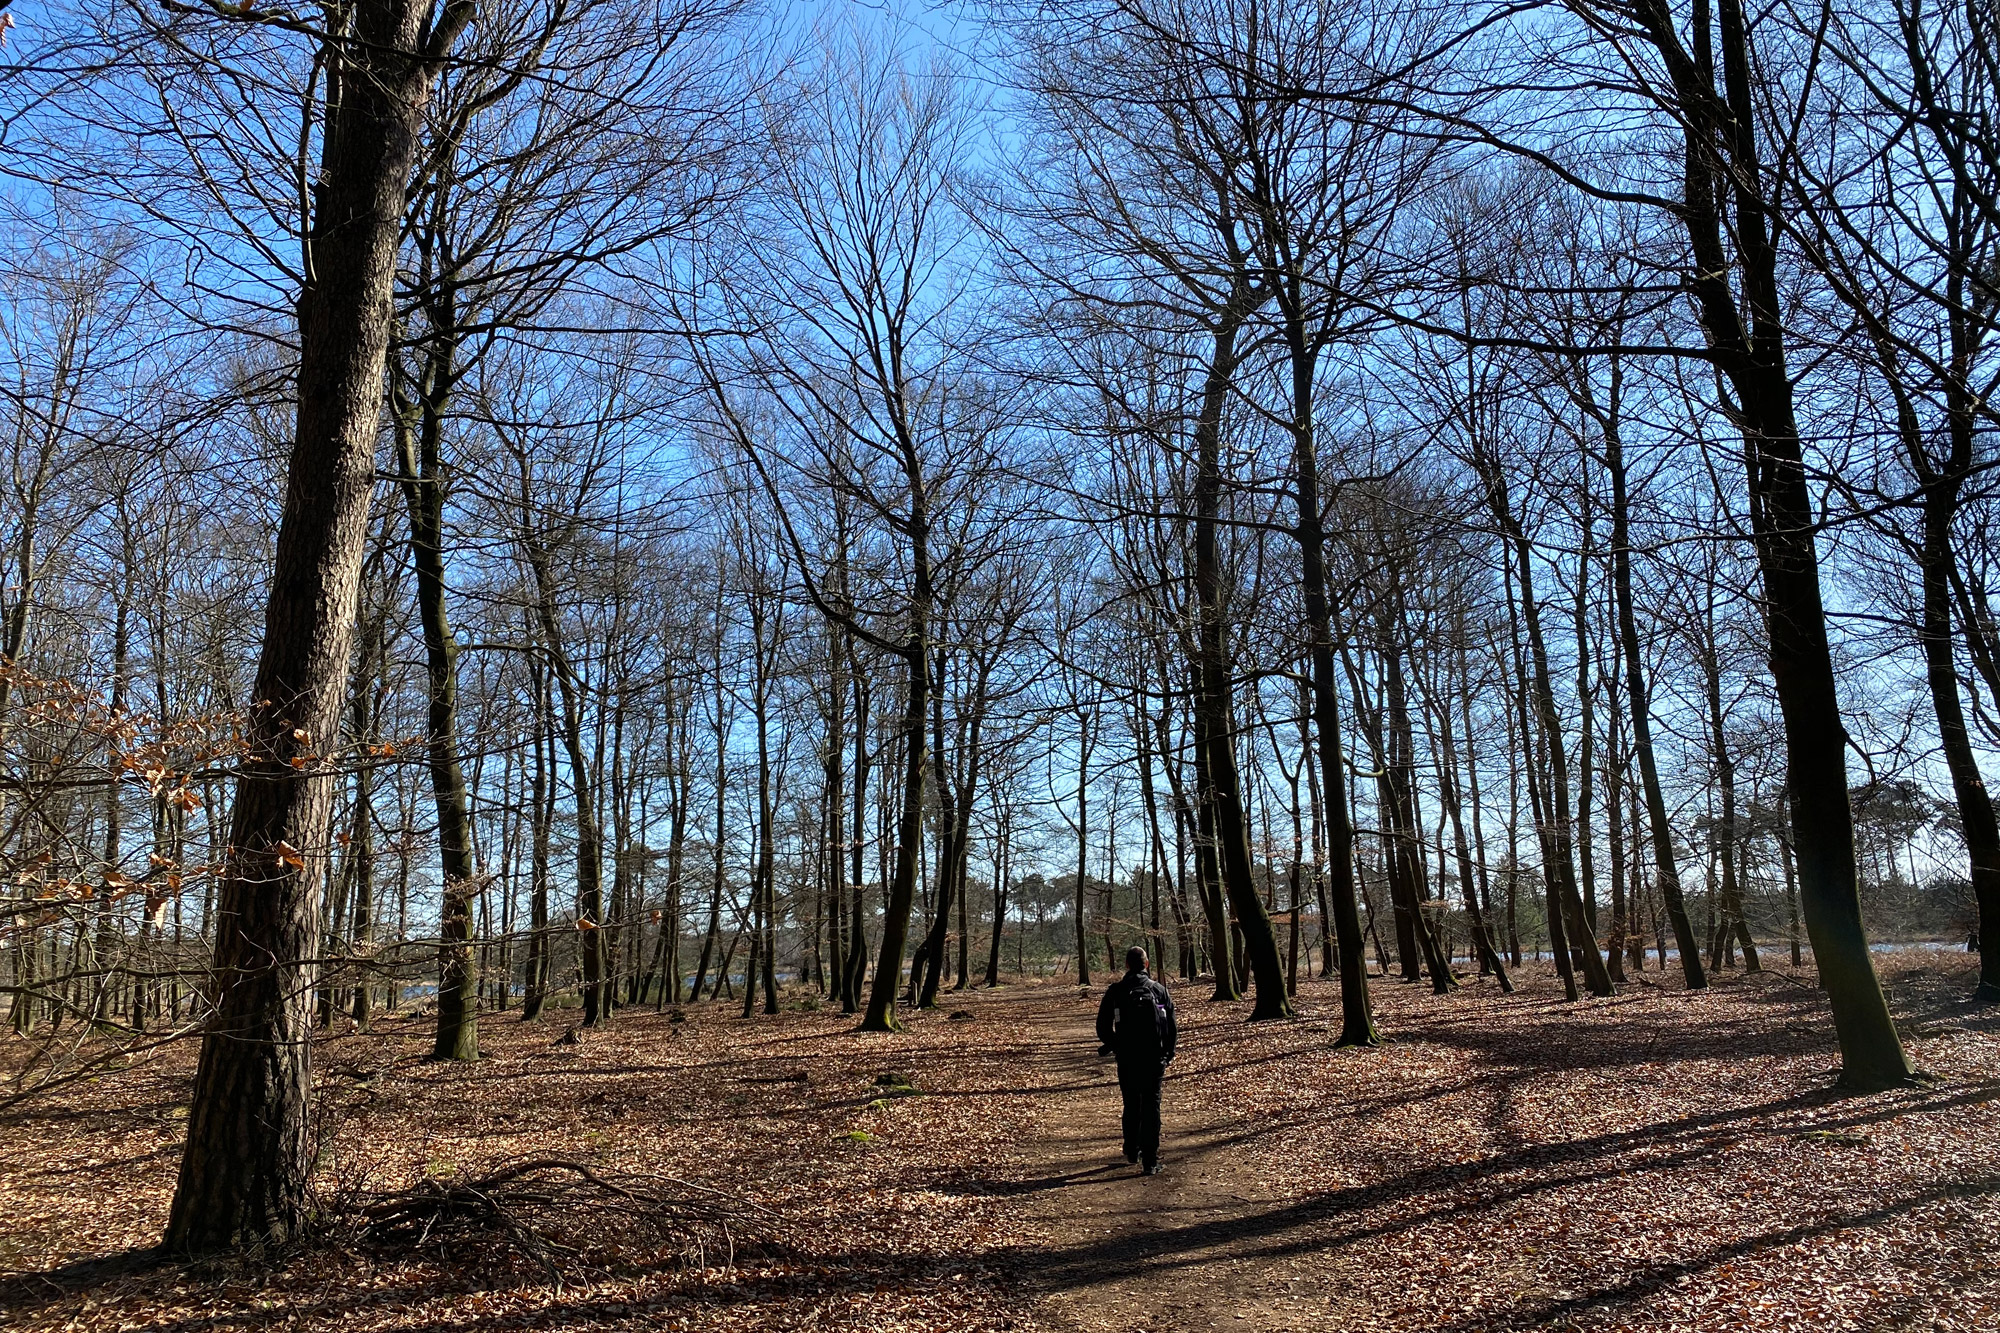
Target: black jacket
{"points": [[1136, 1043]]}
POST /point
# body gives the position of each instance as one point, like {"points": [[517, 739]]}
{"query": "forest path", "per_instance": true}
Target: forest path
{"points": [[1175, 1253]]}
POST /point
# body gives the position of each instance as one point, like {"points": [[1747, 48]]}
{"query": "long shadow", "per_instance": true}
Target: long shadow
{"points": [[28, 1291], [1293, 1228], [1324, 1222], [290, 1302], [1007, 1189], [55, 1171], [1656, 1277]]}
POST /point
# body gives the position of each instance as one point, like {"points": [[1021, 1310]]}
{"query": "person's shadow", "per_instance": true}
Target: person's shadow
{"points": [[1008, 1188]]}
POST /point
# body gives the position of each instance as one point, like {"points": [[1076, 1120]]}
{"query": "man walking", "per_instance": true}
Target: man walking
{"points": [[1136, 1022]]}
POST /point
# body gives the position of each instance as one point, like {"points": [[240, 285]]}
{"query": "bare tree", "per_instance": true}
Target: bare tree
{"points": [[245, 1167]]}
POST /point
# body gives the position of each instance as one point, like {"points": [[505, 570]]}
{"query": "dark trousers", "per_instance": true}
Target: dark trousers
{"points": [[1139, 1084]]}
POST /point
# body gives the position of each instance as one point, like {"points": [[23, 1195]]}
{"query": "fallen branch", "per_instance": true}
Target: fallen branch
{"points": [[523, 1205]]}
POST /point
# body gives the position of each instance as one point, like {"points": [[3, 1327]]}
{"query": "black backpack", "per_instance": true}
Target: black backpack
{"points": [[1142, 1018]]}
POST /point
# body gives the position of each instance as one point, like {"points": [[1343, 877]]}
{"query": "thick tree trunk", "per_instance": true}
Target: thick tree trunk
{"points": [[930, 959], [1943, 487], [1357, 1024], [1975, 805], [1215, 727], [1209, 875], [245, 1170], [901, 897], [902, 894], [1746, 342]]}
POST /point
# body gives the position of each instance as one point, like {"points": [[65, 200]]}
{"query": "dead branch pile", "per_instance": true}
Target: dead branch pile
{"points": [[571, 1221]]}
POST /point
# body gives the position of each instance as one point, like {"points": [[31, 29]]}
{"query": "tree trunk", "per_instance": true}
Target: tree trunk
{"points": [[1733, 926], [1450, 797], [590, 923], [418, 456], [1082, 845], [1357, 1024], [1746, 344], [1614, 809], [1569, 924], [902, 895], [535, 983], [1000, 872], [245, 1170], [1666, 870], [857, 942], [1406, 845], [361, 837], [764, 887], [1215, 727], [1942, 490], [930, 959], [1209, 874]]}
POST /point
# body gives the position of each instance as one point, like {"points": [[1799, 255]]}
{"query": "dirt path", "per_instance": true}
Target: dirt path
{"points": [[1161, 1254]]}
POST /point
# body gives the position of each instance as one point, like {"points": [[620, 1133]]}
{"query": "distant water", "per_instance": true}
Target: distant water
{"points": [[1884, 946]]}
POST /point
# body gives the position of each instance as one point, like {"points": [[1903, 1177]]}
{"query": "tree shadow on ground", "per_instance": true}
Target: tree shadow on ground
{"points": [[1331, 1221], [25, 1292]]}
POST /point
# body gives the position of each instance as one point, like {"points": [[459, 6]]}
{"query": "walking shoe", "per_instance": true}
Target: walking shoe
{"points": [[1131, 1156], [1151, 1168]]}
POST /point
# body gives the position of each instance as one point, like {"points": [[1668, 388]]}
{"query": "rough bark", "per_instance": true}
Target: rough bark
{"points": [[246, 1166], [1746, 342]]}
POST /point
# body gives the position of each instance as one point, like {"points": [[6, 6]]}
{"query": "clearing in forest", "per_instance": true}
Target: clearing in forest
{"points": [[1659, 1160]]}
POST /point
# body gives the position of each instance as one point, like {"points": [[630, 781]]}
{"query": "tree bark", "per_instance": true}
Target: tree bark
{"points": [[1746, 343], [1733, 926], [902, 895], [1357, 1024], [1567, 917], [245, 1169], [418, 453], [535, 981], [1215, 728], [1666, 870]]}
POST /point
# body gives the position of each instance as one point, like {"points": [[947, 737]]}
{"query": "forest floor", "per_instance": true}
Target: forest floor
{"points": [[1660, 1160]]}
